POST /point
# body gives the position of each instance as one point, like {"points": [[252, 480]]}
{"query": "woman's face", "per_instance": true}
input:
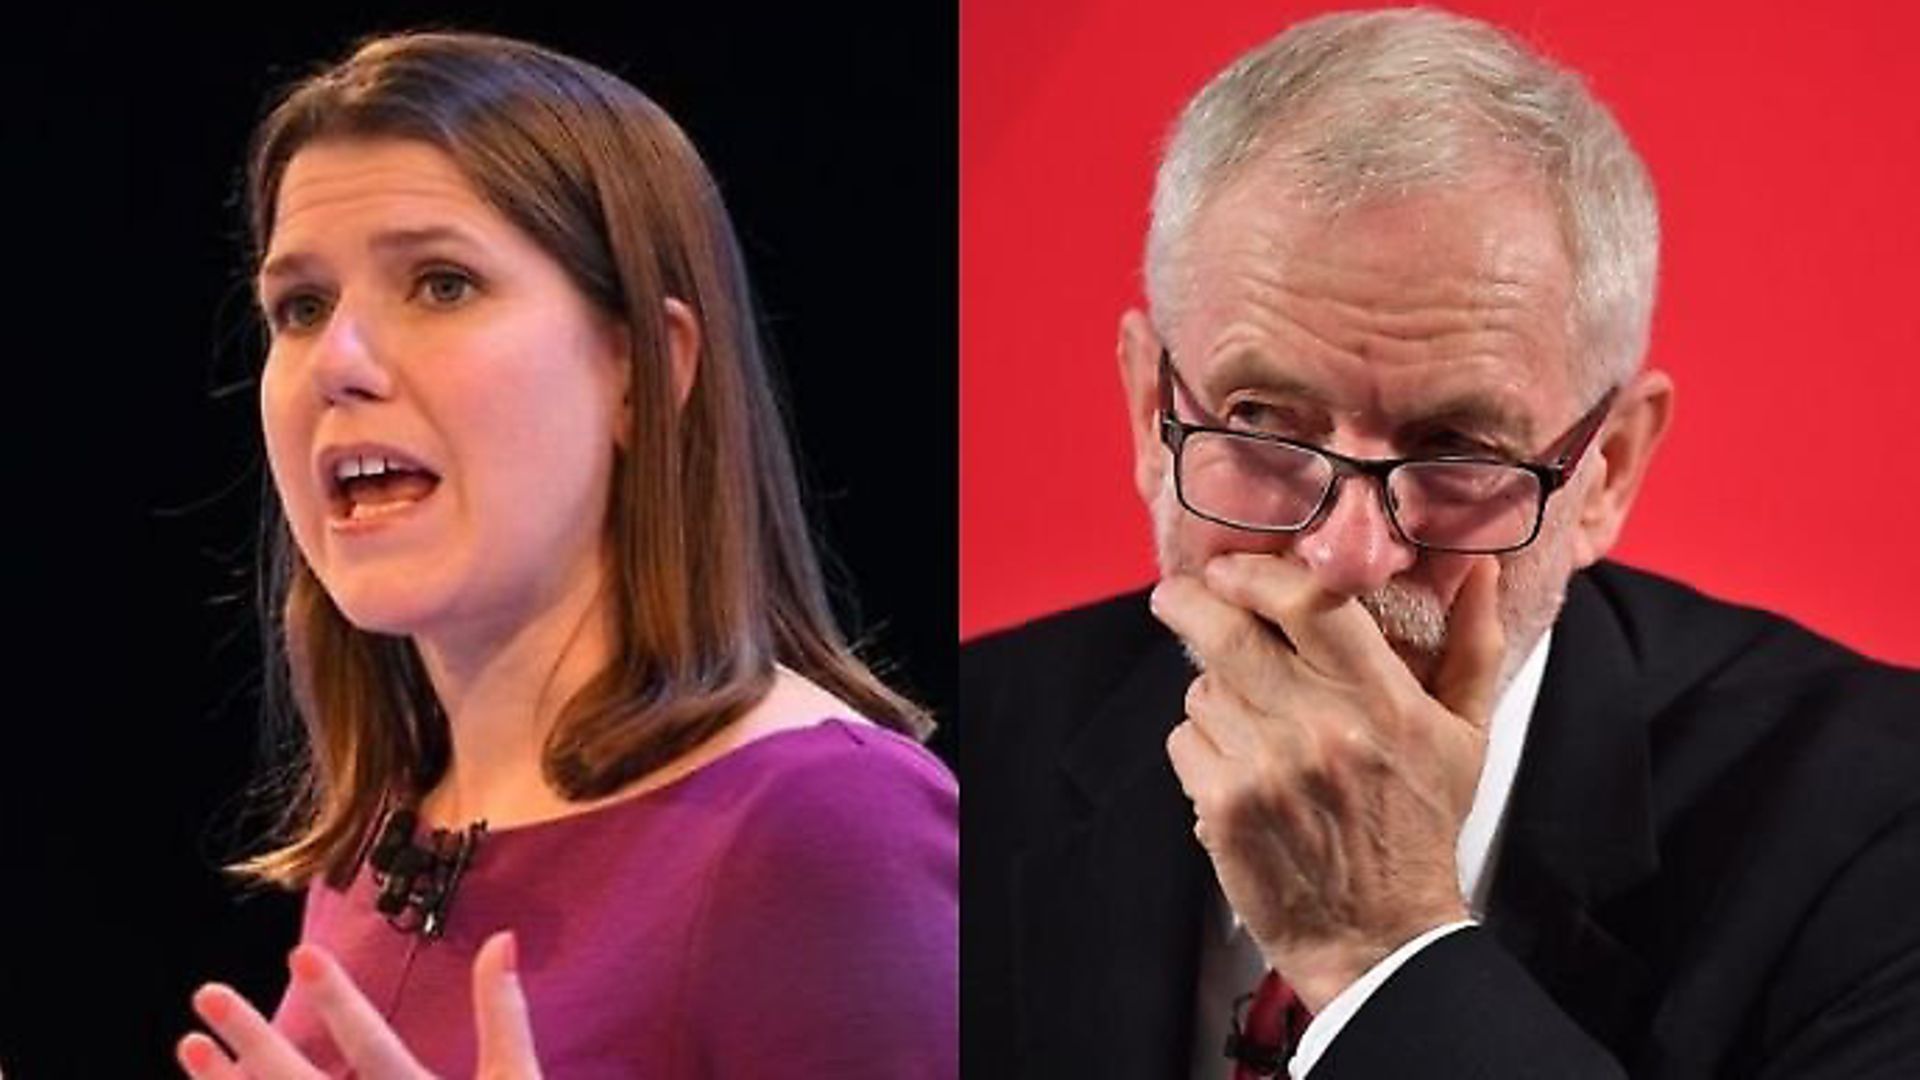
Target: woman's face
{"points": [[440, 402]]}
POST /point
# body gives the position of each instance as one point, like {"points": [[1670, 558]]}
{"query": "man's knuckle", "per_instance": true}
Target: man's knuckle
{"points": [[1198, 693], [1360, 748], [1211, 805], [1238, 637], [1296, 605], [1240, 799]]}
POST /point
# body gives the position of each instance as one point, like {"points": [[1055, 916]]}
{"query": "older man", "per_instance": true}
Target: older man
{"points": [[1450, 795]]}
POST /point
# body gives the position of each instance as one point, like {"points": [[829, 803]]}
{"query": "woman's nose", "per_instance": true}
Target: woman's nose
{"points": [[346, 364]]}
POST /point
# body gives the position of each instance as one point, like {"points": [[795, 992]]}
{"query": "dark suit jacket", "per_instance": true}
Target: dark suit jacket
{"points": [[1711, 865]]}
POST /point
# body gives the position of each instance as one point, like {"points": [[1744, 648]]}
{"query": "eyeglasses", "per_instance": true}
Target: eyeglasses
{"points": [[1264, 483]]}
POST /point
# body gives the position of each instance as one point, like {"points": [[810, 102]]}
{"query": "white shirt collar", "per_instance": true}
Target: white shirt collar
{"points": [[1506, 736]]}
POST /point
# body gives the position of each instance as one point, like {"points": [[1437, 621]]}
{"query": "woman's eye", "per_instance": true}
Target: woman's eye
{"points": [[444, 288], [297, 311]]}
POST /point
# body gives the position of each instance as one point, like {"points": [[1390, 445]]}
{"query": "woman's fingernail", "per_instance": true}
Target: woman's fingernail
{"points": [[211, 1003], [303, 964], [510, 954], [194, 1053]]}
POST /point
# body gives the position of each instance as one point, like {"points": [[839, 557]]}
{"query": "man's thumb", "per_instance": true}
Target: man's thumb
{"points": [[1467, 676]]}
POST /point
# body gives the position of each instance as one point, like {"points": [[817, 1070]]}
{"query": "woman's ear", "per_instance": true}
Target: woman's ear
{"points": [[683, 361], [683, 348]]}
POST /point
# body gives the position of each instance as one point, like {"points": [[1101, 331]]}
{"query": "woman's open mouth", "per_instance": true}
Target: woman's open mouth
{"points": [[369, 487]]}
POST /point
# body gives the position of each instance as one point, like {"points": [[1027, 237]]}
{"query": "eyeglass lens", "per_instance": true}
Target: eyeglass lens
{"points": [[1465, 506]]}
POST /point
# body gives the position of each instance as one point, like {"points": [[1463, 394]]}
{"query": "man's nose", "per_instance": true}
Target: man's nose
{"points": [[1353, 548], [346, 363]]}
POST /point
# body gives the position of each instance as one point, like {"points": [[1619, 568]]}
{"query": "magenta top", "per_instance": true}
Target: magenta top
{"points": [[789, 909]]}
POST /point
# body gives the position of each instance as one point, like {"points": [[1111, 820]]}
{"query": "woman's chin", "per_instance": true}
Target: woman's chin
{"points": [[386, 607]]}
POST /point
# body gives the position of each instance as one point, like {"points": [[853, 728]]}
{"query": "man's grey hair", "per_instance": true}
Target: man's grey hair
{"points": [[1363, 106]]}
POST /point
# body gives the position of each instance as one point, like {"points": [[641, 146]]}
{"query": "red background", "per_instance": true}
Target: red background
{"points": [[1784, 144]]}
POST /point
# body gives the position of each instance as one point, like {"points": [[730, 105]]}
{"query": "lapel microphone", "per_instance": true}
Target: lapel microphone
{"points": [[417, 881]]}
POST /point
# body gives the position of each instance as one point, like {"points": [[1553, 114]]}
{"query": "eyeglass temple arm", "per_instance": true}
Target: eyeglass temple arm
{"points": [[1169, 377], [1166, 388], [1575, 443]]}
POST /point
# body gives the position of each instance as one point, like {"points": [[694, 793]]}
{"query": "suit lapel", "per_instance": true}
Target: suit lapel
{"points": [[1108, 905], [1579, 829]]}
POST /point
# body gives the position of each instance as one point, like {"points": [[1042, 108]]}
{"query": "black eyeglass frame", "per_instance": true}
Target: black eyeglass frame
{"points": [[1553, 469]]}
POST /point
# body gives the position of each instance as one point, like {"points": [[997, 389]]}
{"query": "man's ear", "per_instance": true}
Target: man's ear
{"points": [[1620, 456], [1139, 354]]}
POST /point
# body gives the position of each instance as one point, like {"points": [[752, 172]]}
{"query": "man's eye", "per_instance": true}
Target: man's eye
{"points": [[444, 288], [1458, 444], [1261, 416], [297, 311]]}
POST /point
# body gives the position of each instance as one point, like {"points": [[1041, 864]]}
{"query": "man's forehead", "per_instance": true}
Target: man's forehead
{"points": [[1498, 224], [1433, 296]]}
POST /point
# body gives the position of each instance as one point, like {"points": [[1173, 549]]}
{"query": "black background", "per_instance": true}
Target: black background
{"points": [[133, 469]]}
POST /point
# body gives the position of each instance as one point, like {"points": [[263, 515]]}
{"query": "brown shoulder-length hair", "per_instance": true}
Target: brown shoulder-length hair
{"points": [[713, 577]]}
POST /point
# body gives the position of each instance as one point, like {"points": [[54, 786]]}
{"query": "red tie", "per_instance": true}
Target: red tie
{"points": [[1275, 1022]]}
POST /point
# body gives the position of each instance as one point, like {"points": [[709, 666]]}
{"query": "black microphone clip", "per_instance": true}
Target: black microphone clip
{"points": [[417, 882]]}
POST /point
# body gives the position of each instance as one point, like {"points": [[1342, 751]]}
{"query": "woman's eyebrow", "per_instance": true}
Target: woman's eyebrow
{"points": [[391, 242], [387, 243]]}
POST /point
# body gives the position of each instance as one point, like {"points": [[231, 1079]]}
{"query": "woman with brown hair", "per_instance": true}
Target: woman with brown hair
{"points": [[594, 784]]}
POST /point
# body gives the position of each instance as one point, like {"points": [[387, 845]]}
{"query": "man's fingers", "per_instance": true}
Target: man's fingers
{"points": [[1196, 760], [1222, 716], [1332, 633], [1467, 677], [358, 1029], [500, 1011], [1228, 641], [260, 1051]]}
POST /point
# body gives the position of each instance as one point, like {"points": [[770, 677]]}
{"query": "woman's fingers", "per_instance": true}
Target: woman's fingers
{"points": [[358, 1029], [258, 1051], [500, 1011], [202, 1058]]}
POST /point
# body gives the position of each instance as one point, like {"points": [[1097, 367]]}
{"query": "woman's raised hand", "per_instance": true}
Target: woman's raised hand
{"points": [[255, 1051]]}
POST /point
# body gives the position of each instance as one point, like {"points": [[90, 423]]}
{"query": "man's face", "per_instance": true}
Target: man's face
{"points": [[1429, 324]]}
